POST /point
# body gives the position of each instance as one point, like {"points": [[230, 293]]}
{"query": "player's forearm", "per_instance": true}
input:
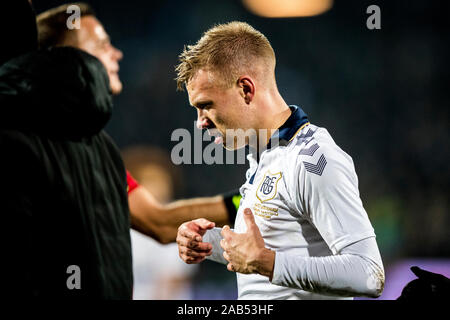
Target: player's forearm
{"points": [[161, 222], [343, 275], [347, 274], [146, 215], [209, 208]]}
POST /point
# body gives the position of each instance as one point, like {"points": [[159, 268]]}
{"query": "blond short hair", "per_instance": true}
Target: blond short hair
{"points": [[227, 49]]}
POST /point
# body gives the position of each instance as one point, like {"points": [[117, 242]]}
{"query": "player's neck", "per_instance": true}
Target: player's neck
{"points": [[276, 113]]}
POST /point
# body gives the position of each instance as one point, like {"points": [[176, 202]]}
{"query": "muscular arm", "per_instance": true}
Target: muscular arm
{"points": [[161, 222]]}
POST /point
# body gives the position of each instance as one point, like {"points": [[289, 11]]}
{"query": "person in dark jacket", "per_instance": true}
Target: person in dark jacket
{"points": [[64, 186], [148, 216]]}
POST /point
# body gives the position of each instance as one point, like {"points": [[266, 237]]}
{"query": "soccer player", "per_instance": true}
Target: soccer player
{"points": [[147, 215], [301, 231]]}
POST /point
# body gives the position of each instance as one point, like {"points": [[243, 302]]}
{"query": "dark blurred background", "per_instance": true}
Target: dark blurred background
{"points": [[382, 94]]}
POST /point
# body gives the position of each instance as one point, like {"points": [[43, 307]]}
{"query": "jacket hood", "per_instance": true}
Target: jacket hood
{"points": [[18, 29], [62, 91]]}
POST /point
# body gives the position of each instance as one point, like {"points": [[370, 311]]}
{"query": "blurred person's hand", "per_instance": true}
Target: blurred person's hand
{"points": [[189, 239], [427, 286], [246, 252]]}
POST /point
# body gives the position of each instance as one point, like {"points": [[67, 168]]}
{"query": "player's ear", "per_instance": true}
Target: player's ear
{"points": [[247, 88]]}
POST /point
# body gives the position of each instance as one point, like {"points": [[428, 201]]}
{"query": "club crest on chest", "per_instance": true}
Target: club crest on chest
{"points": [[268, 186]]}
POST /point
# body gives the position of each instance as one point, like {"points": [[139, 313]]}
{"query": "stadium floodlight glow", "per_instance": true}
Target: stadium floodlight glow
{"points": [[288, 8]]}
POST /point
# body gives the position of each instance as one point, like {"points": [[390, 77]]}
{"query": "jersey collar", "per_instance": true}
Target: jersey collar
{"points": [[297, 120]]}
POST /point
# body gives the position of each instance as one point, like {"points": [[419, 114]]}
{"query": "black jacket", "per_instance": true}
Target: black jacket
{"points": [[64, 192]]}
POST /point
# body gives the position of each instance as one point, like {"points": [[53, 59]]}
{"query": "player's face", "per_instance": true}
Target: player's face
{"points": [[219, 110], [93, 39]]}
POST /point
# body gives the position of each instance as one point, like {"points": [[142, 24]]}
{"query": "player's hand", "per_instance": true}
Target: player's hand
{"points": [[246, 252], [189, 238]]}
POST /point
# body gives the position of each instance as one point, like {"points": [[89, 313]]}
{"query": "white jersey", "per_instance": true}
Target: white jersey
{"points": [[304, 195]]}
